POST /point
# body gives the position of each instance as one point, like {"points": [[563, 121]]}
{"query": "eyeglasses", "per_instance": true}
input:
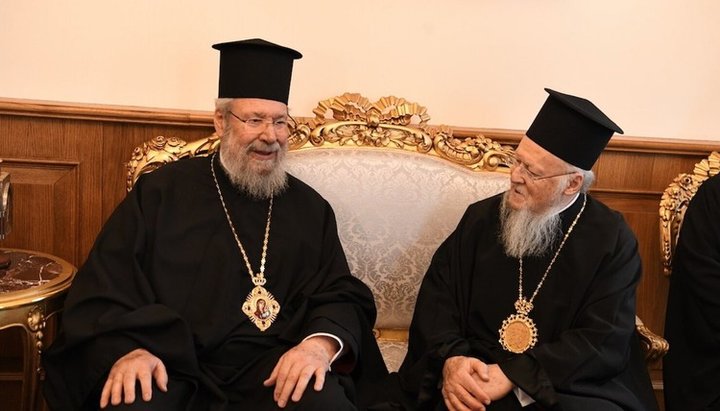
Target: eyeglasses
{"points": [[256, 123], [534, 176]]}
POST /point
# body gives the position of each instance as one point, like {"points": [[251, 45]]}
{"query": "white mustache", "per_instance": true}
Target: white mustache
{"points": [[260, 146]]}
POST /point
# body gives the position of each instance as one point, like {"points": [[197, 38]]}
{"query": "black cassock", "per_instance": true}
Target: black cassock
{"points": [[587, 356], [691, 369], [166, 274]]}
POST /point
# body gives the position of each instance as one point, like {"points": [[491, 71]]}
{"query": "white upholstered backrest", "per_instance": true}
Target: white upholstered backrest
{"points": [[393, 208]]}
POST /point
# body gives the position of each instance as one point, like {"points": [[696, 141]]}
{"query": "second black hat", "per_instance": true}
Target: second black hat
{"points": [[572, 128]]}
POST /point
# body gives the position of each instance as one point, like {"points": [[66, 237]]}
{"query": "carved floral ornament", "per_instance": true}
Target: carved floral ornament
{"points": [[674, 203], [654, 346], [349, 120], [161, 150], [36, 324], [394, 122]]}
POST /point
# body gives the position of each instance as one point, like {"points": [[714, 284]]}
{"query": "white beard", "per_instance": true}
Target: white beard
{"points": [[258, 179], [525, 233]]}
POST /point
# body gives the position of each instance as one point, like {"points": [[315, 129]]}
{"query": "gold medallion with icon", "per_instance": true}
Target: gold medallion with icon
{"points": [[261, 308]]}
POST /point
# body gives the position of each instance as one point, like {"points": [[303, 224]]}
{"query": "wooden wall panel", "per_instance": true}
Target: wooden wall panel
{"points": [[641, 172], [44, 149], [67, 162], [45, 215], [98, 141]]}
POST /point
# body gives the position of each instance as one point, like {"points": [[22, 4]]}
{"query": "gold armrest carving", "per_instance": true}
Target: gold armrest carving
{"points": [[674, 202], [654, 346], [161, 150]]}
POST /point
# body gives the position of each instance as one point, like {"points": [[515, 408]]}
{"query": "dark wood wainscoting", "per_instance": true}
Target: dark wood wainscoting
{"points": [[67, 165]]}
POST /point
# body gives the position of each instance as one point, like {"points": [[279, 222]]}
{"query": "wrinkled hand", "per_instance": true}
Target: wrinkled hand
{"points": [[137, 365], [498, 385], [461, 389], [295, 368]]}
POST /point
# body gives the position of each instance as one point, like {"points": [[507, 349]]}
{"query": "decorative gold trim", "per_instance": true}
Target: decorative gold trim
{"points": [[160, 150], [518, 333], [36, 324], [391, 334], [389, 122], [674, 202], [394, 122], [655, 347], [264, 316]]}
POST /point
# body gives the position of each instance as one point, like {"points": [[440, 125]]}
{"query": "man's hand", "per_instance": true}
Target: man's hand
{"points": [[137, 365], [498, 385], [462, 378], [295, 368]]}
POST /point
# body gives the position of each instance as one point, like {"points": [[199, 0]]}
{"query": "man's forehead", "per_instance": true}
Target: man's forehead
{"points": [[259, 105], [530, 151]]}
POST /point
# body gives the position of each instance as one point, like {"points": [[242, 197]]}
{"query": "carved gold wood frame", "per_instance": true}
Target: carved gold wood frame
{"points": [[390, 122], [674, 202], [161, 150], [654, 346]]}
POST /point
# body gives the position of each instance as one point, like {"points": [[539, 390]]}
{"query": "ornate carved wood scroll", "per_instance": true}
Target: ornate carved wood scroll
{"points": [[674, 202]]}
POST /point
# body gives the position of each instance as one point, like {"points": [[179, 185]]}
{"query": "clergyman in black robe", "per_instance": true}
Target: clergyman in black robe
{"points": [[691, 369], [530, 303], [162, 314]]}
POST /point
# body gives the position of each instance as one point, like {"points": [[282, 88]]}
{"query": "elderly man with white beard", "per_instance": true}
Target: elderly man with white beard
{"points": [[530, 303], [165, 313]]}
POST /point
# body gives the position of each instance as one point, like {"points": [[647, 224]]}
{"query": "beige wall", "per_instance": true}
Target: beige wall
{"points": [[652, 65]]}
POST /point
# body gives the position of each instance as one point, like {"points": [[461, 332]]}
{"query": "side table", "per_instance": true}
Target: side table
{"points": [[32, 288]]}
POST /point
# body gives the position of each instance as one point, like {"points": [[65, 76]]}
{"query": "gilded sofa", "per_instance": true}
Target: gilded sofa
{"points": [[398, 187]]}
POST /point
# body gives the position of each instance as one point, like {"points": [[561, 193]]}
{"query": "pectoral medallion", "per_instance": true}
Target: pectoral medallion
{"points": [[518, 333], [261, 307]]}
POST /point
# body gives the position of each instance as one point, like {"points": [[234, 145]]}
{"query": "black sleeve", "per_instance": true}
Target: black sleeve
{"points": [[110, 310], [698, 257], [343, 306]]}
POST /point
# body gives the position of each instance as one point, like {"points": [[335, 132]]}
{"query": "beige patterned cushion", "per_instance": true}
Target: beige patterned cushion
{"points": [[393, 353], [393, 209]]}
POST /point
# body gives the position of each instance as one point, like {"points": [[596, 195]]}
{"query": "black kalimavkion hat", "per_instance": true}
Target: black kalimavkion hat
{"points": [[255, 68], [572, 128]]}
